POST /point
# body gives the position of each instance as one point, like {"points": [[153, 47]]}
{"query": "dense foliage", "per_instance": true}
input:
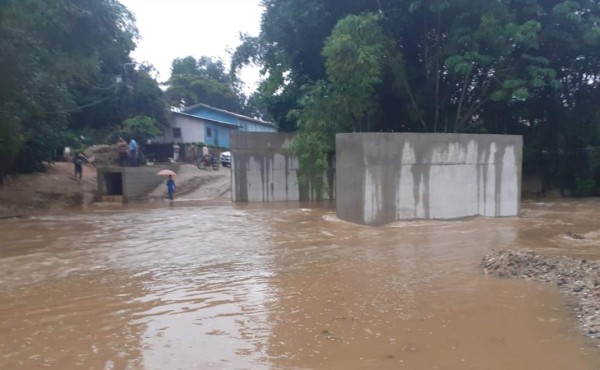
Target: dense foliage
{"points": [[65, 73], [529, 67], [202, 81]]}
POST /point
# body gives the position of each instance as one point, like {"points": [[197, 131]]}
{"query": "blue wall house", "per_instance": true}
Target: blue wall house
{"points": [[212, 126]]}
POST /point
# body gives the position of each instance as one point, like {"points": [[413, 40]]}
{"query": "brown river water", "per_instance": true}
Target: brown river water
{"points": [[201, 285]]}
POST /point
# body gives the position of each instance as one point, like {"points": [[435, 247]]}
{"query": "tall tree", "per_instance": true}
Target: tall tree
{"points": [[289, 48], [134, 92], [509, 66], [202, 81], [57, 58], [450, 59]]}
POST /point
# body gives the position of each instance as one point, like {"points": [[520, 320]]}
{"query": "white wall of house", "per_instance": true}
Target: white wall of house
{"points": [[192, 131]]}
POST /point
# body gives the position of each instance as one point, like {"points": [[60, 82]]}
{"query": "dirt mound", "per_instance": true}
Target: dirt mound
{"points": [[58, 189], [54, 190], [579, 279]]}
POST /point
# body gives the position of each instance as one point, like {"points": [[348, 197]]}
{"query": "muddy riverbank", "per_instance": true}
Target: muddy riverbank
{"points": [[52, 191], [579, 279], [57, 190]]}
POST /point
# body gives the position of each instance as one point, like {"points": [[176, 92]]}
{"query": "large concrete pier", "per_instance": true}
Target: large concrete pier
{"points": [[263, 168], [383, 177]]}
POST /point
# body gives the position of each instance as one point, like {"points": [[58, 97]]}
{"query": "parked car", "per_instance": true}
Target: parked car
{"points": [[225, 159]]}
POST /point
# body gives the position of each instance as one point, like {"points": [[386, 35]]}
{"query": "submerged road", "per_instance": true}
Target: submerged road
{"points": [[198, 285]]}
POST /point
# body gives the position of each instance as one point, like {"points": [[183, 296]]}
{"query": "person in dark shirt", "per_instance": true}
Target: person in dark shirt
{"points": [[78, 161], [122, 149]]}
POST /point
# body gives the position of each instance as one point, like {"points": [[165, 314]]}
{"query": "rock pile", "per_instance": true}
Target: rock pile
{"points": [[103, 155], [580, 279]]}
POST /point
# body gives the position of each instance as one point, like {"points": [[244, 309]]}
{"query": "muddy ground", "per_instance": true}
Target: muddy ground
{"points": [[196, 184], [579, 279], [52, 191], [58, 190]]}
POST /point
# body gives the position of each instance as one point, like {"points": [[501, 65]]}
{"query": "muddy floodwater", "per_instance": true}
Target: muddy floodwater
{"points": [[218, 286]]}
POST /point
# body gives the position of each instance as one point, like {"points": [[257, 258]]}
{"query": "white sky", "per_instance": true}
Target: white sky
{"points": [[172, 29]]}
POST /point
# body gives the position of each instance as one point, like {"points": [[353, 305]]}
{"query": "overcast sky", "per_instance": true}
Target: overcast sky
{"points": [[172, 29]]}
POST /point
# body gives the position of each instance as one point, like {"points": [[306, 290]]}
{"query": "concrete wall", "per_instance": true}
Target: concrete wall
{"points": [[262, 168], [136, 181], [383, 177]]}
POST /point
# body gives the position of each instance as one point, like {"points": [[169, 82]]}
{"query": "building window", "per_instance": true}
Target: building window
{"points": [[176, 132], [208, 132]]}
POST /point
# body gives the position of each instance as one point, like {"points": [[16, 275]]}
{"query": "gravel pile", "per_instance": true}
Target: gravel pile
{"points": [[579, 279], [104, 155]]}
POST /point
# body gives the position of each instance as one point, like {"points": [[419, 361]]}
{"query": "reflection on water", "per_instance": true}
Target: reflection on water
{"points": [[283, 287]]}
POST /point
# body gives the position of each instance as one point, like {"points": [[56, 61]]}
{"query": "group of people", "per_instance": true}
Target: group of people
{"points": [[128, 152]]}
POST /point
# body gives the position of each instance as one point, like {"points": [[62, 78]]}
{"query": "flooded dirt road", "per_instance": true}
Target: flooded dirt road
{"points": [[217, 286]]}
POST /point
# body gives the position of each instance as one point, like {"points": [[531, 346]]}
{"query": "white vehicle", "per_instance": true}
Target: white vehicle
{"points": [[225, 159]]}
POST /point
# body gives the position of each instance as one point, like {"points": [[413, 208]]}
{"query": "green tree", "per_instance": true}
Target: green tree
{"points": [[451, 60], [315, 138], [57, 58], [202, 81], [355, 54], [140, 128], [522, 67], [135, 93], [355, 58], [144, 96], [288, 50]]}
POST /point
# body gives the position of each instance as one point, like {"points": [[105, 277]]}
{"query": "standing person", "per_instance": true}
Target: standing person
{"points": [[133, 152], [78, 163], [122, 149], [170, 187], [205, 156]]}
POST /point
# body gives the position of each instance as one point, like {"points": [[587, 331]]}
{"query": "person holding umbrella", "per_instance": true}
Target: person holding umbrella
{"points": [[170, 187], [170, 181]]}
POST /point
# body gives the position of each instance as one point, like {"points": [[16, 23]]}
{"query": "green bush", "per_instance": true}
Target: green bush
{"points": [[583, 187]]}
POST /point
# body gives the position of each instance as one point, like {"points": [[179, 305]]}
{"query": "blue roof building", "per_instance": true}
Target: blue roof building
{"points": [[210, 125]]}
